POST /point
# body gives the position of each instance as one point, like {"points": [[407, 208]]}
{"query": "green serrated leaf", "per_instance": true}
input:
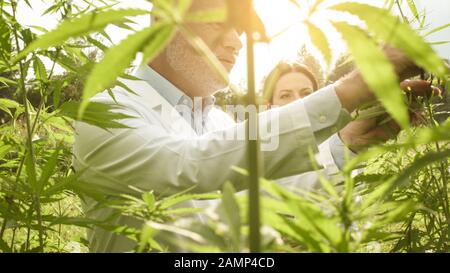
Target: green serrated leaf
{"points": [[27, 36], [98, 44], [436, 29], [315, 6], [4, 150], [4, 246], [47, 171], [320, 41], [207, 16], [5, 37], [58, 84], [374, 65], [39, 70], [97, 114], [83, 25], [232, 214], [419, 163], [158, 43], [149, 199], [183, 6], [413, 9], [390, 29], [119, 57], [439, 43], [7, 81], [6, 104], [180, 198]]}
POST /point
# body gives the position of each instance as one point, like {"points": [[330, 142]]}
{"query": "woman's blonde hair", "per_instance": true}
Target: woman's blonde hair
{"points": [[281, 69]]}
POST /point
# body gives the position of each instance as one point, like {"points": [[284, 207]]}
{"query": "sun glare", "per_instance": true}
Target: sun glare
{"points": [[283, 22]]}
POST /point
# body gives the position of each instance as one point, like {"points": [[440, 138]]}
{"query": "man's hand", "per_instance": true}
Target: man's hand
{"points": [[358, 135], [404, 67], [353, 91], [419, 88]]}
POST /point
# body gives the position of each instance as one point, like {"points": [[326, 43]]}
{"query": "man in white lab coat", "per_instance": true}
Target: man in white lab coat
{"points": [[168, 151]]}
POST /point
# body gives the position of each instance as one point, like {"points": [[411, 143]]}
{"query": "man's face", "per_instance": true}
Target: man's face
{"points": [[194, 68]]}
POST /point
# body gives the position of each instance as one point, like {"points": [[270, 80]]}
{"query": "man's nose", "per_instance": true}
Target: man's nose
{"points": [[232, 41]]}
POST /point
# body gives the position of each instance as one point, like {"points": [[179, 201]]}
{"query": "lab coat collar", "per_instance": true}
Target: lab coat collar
{"points": [[169, 91]]}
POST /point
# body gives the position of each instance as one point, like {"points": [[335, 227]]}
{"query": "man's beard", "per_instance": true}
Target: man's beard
{"points": [[193, 67]]}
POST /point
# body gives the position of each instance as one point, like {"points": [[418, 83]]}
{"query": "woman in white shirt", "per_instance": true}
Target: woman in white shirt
{"points": [[286, 83]]}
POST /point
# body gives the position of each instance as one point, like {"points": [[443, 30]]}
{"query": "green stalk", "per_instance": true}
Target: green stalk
{"points": [[3, 228], [59, 226], [442, 190], [29, 216], [33, 127], [401, 11], [29, 142], [13, 239], [443, 169], [253, 146]]}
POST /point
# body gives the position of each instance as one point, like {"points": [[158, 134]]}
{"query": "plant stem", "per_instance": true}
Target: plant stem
{"points": [[2, 230], [27, 119], [13, 237], [59, 226], [30, 215], [253, 144], [401, 11], [443, 192]]}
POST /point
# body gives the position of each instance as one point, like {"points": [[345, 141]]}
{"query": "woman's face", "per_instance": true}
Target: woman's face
{"points": [[290, 87]]}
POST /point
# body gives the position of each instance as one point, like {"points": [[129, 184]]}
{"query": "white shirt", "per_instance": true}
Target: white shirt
{"points": [[164, 154]]}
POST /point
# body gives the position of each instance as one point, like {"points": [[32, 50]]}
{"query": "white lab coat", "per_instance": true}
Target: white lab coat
{"points": [[163, 154]]}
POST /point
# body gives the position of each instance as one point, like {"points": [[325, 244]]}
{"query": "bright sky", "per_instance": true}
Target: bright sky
{"points": [[277, 14]]}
